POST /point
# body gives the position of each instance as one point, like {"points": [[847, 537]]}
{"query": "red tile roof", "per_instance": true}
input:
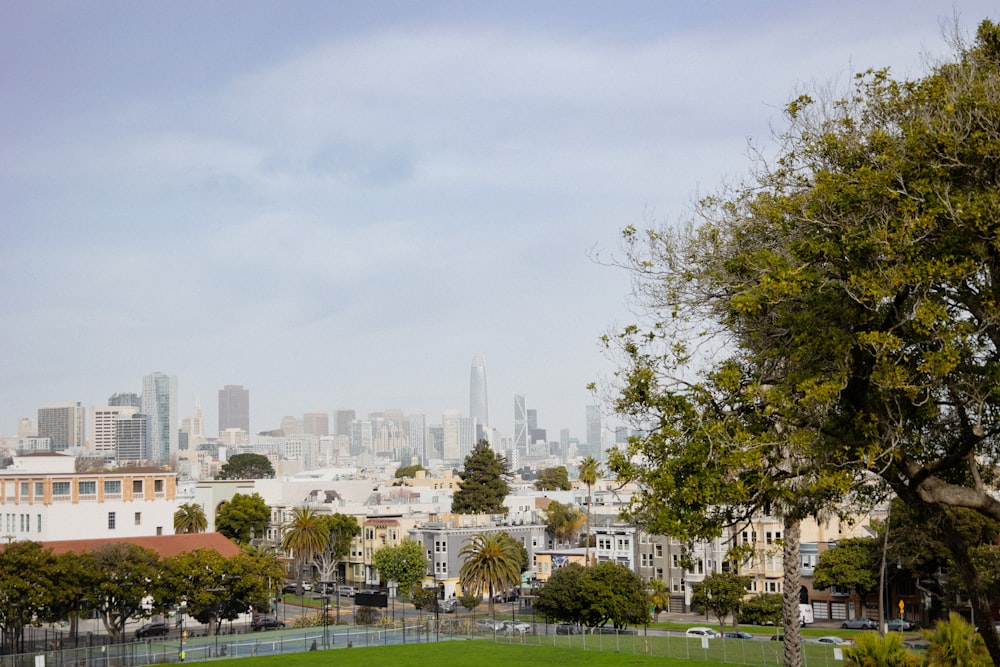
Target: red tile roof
{"points": [[165, 545]]}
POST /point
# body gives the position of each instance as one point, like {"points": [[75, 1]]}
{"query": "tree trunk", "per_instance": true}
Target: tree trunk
{"points": [[978, 599], [790, 593]]}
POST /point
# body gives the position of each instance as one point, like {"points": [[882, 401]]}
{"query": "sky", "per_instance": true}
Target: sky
{"points": [[338, 204]]}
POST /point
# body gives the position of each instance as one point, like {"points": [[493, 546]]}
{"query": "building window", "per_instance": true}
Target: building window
{"points": [[138, 518], [111, 520]]}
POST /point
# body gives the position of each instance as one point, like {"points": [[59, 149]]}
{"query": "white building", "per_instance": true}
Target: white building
{"points": [[43, 498]]}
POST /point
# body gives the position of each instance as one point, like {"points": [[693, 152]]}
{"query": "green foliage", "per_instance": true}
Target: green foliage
{"points": [[955, 643], [242, 516], [873, 650], [405, 563], [762, 609], [408, 471], [491, 562], [722, 593], [553, 479], [594, 596], [853, 563], [247, 466], [483, 487], [423, 598], [190, 518], [564, 520]]}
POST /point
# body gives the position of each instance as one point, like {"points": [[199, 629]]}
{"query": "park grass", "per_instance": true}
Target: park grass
{"points": [[471, 653]]}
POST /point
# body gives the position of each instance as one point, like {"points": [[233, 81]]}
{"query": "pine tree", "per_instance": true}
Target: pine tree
{"points": [[483, 487]]}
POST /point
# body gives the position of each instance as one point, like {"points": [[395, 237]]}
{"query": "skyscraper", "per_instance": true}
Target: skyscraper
{"points": [[594, 431], [159, 404], [316, 423], [520, 425], [479, 404], [62, 424], [234, 407]]}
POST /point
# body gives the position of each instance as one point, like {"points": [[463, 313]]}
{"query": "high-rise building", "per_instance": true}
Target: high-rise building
{"points": [[520, 425], [159, 404], [234, 407], [594, 431], [126, 400], [452, 422], [316, 423], [103, 425], [479, 403], [62, 424], [131, 438], [342, 422]]}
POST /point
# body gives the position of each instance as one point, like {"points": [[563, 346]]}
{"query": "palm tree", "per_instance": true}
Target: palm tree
{"points": [[491, 562], [590, 469], [659, 597], [190, 518], [305, 535]]}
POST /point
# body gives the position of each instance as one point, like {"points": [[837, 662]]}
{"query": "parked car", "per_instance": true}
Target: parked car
{"points": [[489, 625], [516, 627], [859, 623], [347, 591], [738, 634], [701, 632], [569, 629], [840, 641], [266, 623], [153, 630], [899, 625]]}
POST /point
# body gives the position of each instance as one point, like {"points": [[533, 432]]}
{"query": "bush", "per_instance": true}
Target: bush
{"points": [[873, 650], [955, 643]]}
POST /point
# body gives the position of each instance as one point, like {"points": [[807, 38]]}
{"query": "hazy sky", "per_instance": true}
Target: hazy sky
{"points": [[338, 204]]}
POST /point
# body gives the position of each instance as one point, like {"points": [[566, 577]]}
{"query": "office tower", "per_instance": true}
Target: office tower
{"points": [[25, 428], [451, 420], [234, 407], [594, 431], [467, 429], [103, 424], [435, 441], [342, 422], [520, 425], [127, 400], [159, 404], [479, 404], [316, 423], [62, 424], [131, 438], [416, 426]]}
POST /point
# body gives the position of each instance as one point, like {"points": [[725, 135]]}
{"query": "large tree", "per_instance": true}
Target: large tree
{"points": [[854, 563], [722, 593], [247, 466], [490, 562], [855, 284], [484, 486], [243, 516], [304, 535], [404, 563]]}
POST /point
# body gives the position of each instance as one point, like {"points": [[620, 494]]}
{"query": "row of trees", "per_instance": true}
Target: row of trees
{"points": [[829, 331], [121, 581]]}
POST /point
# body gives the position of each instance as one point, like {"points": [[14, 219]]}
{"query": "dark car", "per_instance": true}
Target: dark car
{"points": [[153, 630], [266, 623]]}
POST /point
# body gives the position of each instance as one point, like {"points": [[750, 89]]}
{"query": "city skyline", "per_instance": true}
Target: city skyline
{"points": [[337, 205]]}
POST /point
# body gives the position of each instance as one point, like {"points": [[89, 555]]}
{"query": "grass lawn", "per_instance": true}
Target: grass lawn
{"points": [[459, 654]]}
